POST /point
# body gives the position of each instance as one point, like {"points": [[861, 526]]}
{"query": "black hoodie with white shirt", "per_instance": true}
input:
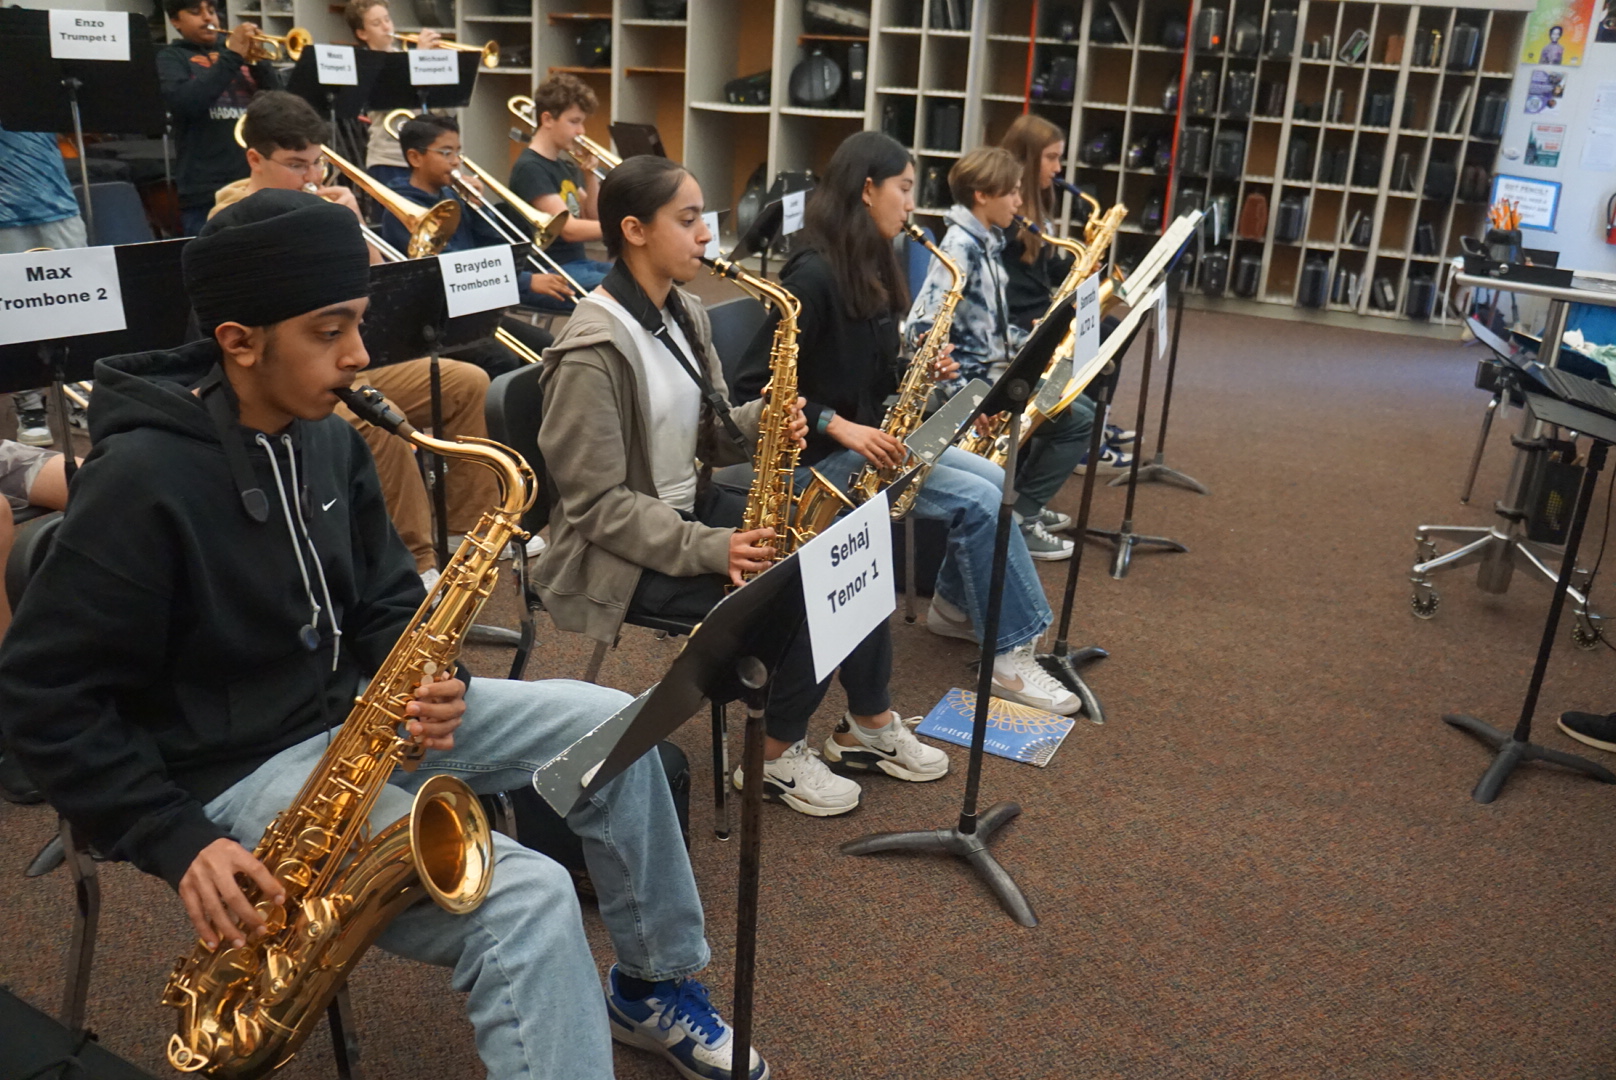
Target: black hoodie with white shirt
{"points": [[164, 651]]}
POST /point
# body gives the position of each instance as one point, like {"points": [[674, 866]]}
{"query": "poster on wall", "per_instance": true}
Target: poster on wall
{"points": [[1599, 141], [1537, 200], [1557, 32], [1543, 144], [1545, 91]]}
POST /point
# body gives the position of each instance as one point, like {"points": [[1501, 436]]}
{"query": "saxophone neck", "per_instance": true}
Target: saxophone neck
{"points": [[760, 288]]}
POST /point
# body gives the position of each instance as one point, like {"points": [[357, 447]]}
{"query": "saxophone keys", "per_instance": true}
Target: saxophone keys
{"points": [[183, 1058]]}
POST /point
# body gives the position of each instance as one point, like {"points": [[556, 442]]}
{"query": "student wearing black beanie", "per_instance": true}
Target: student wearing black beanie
{"points": [[223, 584]]}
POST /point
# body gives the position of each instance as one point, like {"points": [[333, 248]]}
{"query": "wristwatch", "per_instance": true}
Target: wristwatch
{"points": [[825, 417]]}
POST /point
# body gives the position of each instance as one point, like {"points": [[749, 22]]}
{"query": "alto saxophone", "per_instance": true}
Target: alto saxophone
{"points": [[771, 501], [245, 1011], [994, 442], [909, 410]]}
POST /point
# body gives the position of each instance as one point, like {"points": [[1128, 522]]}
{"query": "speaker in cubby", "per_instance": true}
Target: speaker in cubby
{"points": [[1313, 290], [1279, 40]]}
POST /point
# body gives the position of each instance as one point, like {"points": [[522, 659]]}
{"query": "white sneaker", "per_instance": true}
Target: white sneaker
{"points": [[535, 546], [1019, 677], [800, 780], [892, 749], [946, 620]]}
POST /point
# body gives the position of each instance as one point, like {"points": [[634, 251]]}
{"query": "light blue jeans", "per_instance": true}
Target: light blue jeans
{"points": [[535, 998], [964, 491]]}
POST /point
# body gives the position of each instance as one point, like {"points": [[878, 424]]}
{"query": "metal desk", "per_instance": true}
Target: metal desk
{"points": [[1497, 550]]}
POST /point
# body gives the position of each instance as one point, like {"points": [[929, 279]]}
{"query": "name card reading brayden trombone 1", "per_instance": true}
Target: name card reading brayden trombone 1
{"points": [[89, 35], [56, 294], [334, 65], [847, 582], [433, 67], [478, 280]]}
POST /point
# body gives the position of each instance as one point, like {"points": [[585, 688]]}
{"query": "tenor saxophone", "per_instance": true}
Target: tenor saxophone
{"points": [[994, 442], [771, 503], [245, 1011], [905, 414]]}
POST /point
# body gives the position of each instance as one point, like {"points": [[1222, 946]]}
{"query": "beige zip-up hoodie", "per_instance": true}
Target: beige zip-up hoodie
{"points": [[606, 522]]}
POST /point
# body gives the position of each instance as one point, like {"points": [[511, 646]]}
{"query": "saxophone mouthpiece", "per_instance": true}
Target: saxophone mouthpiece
{"points": [[1029, 226], [913, 232], [369, 405]]}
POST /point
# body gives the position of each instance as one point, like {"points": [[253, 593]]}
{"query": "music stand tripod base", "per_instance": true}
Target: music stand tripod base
{"points": [[972, 847], [1512, 751], [1125, 540], [1159, 472], [1063, 665]]}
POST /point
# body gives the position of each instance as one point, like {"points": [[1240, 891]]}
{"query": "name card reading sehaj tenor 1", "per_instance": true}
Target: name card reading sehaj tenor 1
{"points": [[847, 582]]}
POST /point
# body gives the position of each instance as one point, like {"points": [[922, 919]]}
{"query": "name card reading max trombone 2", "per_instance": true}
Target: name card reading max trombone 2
{"points": [[478, 280], [847, 582], [55, 294]]}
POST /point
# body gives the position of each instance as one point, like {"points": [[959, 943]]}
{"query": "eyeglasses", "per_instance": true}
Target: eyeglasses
{"points": [[448, 155], [304, 167]]}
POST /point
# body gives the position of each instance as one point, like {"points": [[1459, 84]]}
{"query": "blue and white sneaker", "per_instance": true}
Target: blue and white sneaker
{"points": [[678, 1022], [1119, 436]]}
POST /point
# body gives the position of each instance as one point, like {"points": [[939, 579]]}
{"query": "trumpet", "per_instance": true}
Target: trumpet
{"points": [[490, 49], [521, 106], [288, 46], [546, 227], [431, 228]]}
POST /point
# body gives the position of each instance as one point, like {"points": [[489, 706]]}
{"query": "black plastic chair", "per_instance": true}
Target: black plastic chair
{"points": [[735, 323], [120, 216], [513, 410], [28, 551]]}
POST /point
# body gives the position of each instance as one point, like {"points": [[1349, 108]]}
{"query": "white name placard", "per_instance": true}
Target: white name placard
{"points": [[847, 582], [791, 208], [478, 280], [57, 294], [710, 219], [1086, 323], [89, 35], [433, 67], [334, 65]]}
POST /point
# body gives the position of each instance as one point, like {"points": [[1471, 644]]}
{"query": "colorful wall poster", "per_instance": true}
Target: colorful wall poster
{"points": [[1545, 91], [1557, 32], [1605, 32], [1543, 145], [1537, 200]]}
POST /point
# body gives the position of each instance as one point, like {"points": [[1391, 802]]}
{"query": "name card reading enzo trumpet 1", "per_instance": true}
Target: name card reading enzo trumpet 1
{"points": [[89, 35], [56, 294], [847, 582], [479, 280]]}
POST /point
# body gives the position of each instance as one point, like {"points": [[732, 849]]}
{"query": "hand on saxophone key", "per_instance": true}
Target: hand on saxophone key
{"points": [[946, 368], [748, 555], [440, 702], [876, 446], [212, 896], [799, 424]]}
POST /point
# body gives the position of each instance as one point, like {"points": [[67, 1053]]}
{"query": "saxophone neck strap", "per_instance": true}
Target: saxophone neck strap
{"points": [[623, 287], [219, 397]]}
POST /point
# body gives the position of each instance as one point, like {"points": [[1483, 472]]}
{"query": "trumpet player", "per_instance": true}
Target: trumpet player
{"points": [[372, 24], [207, 82], [551, 183]]}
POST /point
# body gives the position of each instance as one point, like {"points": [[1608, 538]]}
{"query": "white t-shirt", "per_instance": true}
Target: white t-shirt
{"points": [[675, 405]]}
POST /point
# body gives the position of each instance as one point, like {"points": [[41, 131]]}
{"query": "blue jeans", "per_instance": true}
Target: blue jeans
{"points": [[192, 219], [1050, 456], [586, 272], [534, 996], [965, 490]]}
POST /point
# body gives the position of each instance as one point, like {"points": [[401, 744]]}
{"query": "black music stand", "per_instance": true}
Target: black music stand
{"points": [[968, 839], [392, 88], [101, 95], [408, 318], [1062, 661], [335, 101], [720, 657], [1158, 469], [1125, 539], [763, 234], [1516, 748], [155, 313]]}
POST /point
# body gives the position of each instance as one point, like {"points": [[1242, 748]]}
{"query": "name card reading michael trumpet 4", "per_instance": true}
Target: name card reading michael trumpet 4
{"points": [[847, 582], [478, 280], [434, 67], [55, 294]]}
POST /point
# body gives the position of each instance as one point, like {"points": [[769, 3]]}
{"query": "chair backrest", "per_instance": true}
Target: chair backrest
{"points": [[120, 216], [735, 324], [28, 550], [512, 411], [917, 262]]}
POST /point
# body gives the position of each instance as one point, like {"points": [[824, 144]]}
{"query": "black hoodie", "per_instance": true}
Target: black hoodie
{"points": [[158, 656], [206, 90]]}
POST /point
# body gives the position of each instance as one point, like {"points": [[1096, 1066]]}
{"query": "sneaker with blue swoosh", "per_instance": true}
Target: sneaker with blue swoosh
{"points": [[677, 1021]]}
